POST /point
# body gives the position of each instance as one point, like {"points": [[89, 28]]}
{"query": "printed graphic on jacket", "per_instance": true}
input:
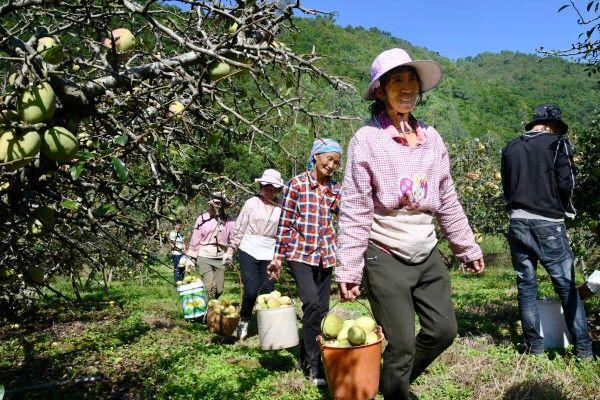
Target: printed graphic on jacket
{"points": [[412, 192]]}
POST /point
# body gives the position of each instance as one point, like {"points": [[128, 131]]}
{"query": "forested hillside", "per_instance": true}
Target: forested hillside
{"points": [[492, 93]]}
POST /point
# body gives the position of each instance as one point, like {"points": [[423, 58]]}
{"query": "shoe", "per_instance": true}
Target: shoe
{"points": [[315, 378], [242, 330]]}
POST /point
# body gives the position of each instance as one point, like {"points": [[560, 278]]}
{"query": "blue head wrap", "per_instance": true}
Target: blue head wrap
{"points": [[321, 146]]}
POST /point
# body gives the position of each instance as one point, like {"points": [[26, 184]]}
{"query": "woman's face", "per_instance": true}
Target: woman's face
{"points": [[269, 191], [327, 163], [399, 92]]}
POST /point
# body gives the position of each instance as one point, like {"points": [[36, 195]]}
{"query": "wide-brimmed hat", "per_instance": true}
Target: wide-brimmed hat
{"points": [[270, 177], [548, 113], [220, 199], [429, 71]]}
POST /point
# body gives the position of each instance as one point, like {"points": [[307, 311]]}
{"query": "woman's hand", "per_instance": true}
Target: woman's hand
{"points": [[227, 258], [475, 266], [348, 291], [274, 269]]}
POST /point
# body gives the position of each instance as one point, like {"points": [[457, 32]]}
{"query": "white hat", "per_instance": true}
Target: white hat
{"points": [[270, 177], [429, 72]]}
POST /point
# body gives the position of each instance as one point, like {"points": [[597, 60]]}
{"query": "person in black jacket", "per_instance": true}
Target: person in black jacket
{"points": [[538, 180]]}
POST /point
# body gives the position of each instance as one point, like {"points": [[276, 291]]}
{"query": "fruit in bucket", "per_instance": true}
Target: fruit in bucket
{"points": [[366, 323], [356, 335], [224, 308], [348, 333], [331, 326], [273, 300]]}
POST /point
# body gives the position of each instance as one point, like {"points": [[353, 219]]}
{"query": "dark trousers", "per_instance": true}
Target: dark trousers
{"points": [[534, 240], [177, 272], [396, 292], [314, 286], [255, 281]]}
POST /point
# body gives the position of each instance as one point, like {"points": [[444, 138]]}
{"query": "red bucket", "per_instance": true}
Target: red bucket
{"points": [[352, 372]]}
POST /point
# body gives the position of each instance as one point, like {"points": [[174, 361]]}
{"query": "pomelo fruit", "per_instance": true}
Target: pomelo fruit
{"points": [[124, 40], [37, 104], [372, 337], [176, 108], [346, 325], [59, 144], [273, 303], [344, 343], [219, 71], [275, 294], [50, 50], [356, 336], [331, 326], [285, 301], [367, 323], [14, 148]]}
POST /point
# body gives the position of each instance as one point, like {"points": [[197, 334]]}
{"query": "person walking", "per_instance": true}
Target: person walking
{"points": [[538, 178], [397, 179], [254, 237], [176, 240], [209, 241], [306, 238]]}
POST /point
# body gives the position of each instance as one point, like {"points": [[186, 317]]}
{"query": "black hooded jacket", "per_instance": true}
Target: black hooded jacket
{"points": [[538, 174]]}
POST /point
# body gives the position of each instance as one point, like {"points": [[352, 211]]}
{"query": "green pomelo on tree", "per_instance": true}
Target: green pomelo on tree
{"points": [[37, 104], [20, 149], [59, 144], [221, 70], [50, 51]]}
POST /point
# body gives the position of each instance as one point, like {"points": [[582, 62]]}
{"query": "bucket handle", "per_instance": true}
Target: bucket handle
{"points": [[358, 301]]}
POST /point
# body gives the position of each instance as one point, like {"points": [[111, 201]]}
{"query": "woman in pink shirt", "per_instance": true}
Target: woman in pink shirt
{"points": [[210, 239], [397, 179], [254, 237]]}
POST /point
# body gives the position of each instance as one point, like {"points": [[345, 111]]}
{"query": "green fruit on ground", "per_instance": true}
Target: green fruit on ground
{"points": [[219, 71], [50, 51], [356, 336], [344, 343], [35, 275], [225, 120], [273, 303], [35, 226], [12, 78], [15, 148], [372, 337], [46, 216], [176, 108], [124, 40], [331, 326], [367, 323], [37, 104], [59, 144]]}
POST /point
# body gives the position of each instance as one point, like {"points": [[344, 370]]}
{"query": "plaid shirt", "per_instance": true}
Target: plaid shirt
{"points": [[305, 232]]}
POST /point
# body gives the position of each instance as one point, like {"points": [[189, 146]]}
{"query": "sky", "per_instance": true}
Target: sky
{"points": [[462, 28]]}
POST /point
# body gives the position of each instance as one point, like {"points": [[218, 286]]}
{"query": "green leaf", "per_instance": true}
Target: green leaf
{"points": [[120, 168], [121, 139], [104, 209], [159, 147], [76, 170], [69, 204]]}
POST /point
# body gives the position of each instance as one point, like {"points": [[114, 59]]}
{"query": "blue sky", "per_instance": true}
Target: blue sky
{"points": [[461, 28]]}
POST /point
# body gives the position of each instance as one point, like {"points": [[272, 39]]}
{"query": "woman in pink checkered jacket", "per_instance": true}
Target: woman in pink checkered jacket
{"points": [[397, 179]]}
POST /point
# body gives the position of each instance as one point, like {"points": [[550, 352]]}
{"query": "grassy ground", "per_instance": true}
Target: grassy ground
{"points": [[133, 343]]}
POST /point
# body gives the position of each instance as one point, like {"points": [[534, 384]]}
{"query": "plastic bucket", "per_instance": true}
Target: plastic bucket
{"points": [[220, 324], [277, 328], [352, 372], [192, 299], [552, 324]]}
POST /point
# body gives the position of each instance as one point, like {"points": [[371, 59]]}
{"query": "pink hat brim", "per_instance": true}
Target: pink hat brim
{"points": [[430, 74]]}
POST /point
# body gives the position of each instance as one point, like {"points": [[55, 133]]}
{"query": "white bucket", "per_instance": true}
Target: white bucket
{"points": [[552, 324], [277, 328]]}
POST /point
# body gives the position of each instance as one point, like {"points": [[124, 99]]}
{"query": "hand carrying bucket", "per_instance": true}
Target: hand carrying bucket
{"points": [[352, 372], [192, 299], [277, 328]]}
